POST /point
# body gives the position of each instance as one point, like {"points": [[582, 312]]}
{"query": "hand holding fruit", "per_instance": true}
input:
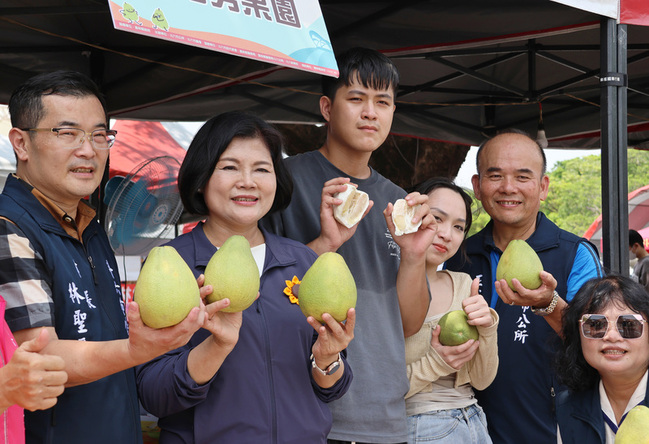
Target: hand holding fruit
{"points": [[204, 290], [146, 343], [333, 336], [540, 297], [332, 232], [520, 277], [223, 325], [412, 243], [459, 341], [454, 355]]}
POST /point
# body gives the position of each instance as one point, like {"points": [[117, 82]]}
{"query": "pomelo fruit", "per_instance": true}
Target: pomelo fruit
{"points": [[327, 287], [520, 261], [635, 427], [402, 215], [166, 289], [232, 272], [355, 202], [455, 330]]}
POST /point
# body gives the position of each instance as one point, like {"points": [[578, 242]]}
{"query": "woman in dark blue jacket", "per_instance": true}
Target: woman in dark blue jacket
{"points": [[603, 359], [263, 375]]}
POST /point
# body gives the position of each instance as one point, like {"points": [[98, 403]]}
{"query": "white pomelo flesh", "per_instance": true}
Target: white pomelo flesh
{"points": [[355, 202], [402, 215]]}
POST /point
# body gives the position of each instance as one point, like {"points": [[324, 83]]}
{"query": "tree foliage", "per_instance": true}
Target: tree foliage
{"points": [[575, 197]]}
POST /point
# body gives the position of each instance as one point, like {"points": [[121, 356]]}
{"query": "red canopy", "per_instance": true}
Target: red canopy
{"points": [[638, 217], [138, 141]]}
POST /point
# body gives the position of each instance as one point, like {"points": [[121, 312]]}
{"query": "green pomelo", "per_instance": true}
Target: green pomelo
{"points": [[520, 261], [635, 427], [327, 287], [455, 330], [166, 289], [232, 272]]}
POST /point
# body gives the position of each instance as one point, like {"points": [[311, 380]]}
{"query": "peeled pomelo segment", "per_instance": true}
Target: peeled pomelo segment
{"points": [[351, 211], [402, 215]]}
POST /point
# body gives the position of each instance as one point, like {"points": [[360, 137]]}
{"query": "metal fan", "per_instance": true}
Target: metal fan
{"points": [[143, 207]]}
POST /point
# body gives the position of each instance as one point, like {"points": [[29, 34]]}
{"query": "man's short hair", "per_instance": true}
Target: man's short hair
{"points": [[511, 131], [26, 104], [635, 238], [367, 66]]}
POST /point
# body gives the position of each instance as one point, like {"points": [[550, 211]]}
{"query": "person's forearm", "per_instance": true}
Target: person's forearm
{"points": [[87, 361], [320, 245], [413, 294], [326, 381], [554, 318], [205, 360]]}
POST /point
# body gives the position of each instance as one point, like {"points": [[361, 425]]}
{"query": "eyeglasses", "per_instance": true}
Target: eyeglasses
{"points": [[72, 138], [595, 326]]}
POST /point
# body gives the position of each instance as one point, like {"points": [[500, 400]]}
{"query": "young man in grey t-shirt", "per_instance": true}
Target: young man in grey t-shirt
{"points": [[389, 270]]}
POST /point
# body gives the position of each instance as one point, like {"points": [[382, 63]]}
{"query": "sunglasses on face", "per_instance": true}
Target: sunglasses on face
{"points": [[595, 326]]}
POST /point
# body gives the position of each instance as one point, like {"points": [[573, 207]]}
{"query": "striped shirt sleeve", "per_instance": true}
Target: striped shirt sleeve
{"points": [[24, 281]]}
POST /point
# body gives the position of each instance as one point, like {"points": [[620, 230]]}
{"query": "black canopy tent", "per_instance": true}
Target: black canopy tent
{"points": [[468, 68]]}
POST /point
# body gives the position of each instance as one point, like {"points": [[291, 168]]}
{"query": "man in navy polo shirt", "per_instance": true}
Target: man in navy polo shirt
{"points": [[511, 183]]}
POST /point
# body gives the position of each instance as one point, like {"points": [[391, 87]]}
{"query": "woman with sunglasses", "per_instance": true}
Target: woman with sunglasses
{"points": [[603, 359]]}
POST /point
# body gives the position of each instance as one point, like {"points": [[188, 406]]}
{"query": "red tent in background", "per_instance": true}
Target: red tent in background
{"points": [[142, 211], [638, 218], [138, 141]]}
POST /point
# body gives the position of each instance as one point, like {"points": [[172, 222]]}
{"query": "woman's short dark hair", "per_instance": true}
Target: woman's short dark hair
{"points": [[442, 182], [593, 297], [212, 140]]}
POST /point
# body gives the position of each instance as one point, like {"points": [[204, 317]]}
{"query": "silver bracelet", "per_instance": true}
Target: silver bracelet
{"points": [[550, 308]]}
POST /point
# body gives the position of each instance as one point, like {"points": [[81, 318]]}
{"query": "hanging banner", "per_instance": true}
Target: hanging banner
{"points": [[607, 8], [628, 12], [289, 33]]}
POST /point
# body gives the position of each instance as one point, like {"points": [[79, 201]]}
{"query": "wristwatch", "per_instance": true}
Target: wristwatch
{"points": [[333, 367], [549, 309]]}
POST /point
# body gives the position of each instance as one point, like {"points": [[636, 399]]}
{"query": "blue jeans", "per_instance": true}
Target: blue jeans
{"points": [[455, 426]]}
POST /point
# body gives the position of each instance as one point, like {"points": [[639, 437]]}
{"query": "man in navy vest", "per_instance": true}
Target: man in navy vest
{"points": [[511, 183], [58, 270]]}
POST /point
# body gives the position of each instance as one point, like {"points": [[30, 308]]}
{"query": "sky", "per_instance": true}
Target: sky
{"points": [[552, 155], [184, 132]]}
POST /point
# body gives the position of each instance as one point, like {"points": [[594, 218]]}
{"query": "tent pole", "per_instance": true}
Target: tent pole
{"points": [[613, 81]]}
